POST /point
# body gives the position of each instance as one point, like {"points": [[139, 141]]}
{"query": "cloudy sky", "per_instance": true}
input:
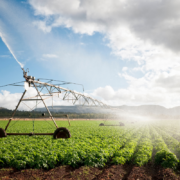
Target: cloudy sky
{"points": [[125, 52]]}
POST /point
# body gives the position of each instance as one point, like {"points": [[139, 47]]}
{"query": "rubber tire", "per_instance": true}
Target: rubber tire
{"points": [[2, 133], [61, 132], [121, 124], [102, 124]]}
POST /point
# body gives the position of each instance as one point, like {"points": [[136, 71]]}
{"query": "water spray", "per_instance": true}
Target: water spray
{"points": [[7, 45]]}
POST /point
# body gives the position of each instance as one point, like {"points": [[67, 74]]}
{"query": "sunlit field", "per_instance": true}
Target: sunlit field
{"points": [[91, 145]]}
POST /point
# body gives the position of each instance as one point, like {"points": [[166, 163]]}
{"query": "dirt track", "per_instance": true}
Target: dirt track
{"points": [[116, 172]]}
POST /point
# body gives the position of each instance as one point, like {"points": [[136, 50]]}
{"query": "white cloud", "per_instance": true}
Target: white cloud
{"points": [[154, 88], [155, 21], [119, 74], [42, 25], [142, 31], [50, 56], [5, 56], [138, 31], [10, 100], [124, 69]]}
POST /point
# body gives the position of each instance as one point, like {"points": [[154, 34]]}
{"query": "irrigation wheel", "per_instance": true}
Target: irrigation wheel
{"points": [[61, 132], [121, 124], [102, 124], [2, 133]]}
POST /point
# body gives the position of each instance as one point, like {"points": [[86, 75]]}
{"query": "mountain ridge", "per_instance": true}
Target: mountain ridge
{"points": [[142, 109]]}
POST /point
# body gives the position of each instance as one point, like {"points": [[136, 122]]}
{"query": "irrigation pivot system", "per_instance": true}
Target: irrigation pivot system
{"points": [[52, 90]]}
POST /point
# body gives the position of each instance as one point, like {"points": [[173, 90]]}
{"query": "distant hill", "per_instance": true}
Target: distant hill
{"points": [[2, 108], [124, 112], [74, 109], [147, 109], [86, 109], [143, 110]]}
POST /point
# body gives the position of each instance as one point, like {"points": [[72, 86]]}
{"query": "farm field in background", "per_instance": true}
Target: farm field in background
{"points": [[57, 119], [91, 145]]}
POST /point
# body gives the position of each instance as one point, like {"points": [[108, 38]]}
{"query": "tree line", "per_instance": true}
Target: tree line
{"points": [[4, 113]]}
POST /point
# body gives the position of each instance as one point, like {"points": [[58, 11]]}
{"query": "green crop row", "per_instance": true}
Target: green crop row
{"points": [[144, 149], [163, 155], [172, 143], [171, 131], [123, 155]]}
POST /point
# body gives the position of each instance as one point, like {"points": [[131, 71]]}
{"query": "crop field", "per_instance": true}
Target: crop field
{"points": [[91, 145]]}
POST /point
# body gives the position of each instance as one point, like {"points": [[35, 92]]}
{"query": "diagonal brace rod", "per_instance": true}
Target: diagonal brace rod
{"points": [[45, 105], [15, 110]]}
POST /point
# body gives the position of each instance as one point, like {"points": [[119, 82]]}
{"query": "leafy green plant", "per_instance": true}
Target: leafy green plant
{"points": [[123, 155], [166, 159], [163, 155], [144, 149]]}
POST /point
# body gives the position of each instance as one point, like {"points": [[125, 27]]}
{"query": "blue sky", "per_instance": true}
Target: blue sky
{"points": [[85, 47], [108, 47]]}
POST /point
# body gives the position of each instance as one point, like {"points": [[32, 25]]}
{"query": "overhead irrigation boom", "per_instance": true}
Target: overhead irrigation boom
{"points": [[52, 90]]}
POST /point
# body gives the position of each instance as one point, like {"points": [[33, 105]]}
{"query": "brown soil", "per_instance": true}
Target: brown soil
{"points": [[116, 172]]}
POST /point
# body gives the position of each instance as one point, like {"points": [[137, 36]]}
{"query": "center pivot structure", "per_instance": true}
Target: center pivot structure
{"points": [[53, 90], [60, 132]]}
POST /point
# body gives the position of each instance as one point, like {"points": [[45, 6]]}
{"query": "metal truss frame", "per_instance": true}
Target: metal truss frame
{"points": [[53, 90]]}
